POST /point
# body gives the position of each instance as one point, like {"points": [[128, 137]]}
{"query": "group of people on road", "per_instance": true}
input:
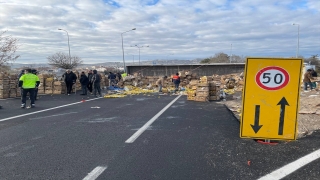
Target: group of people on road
{"points": [[308, 78], [175, 79], [114, 78], [29, 83], [89, 82]]}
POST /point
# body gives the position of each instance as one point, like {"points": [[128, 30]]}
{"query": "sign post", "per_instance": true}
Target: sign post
{"points": [[270, 99]]}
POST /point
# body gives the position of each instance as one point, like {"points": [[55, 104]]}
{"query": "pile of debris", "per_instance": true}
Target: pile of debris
{"points": [[208, 87]]}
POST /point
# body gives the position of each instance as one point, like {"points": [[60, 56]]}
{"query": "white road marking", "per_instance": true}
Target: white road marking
{"points": [[146, 126], [53, 115], [36, 112], [289, 168], [95, 173]]}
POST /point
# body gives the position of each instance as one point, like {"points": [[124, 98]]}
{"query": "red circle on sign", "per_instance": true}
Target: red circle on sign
{"points": [[272, 78]]}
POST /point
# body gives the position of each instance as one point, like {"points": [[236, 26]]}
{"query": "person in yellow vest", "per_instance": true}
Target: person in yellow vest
{"points": [[29, 82], [124, 75]]}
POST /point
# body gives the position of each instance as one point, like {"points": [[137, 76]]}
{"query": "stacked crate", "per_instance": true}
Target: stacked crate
{"points": [[48, 86], [13, 86], [191, 95], [4, 86], [19, 93], [59, 87], [192, 92], [214, 91], [41, 87], [202, 92]]}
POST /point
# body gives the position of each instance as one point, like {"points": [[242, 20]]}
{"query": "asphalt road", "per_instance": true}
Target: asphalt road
{"points": [[189, 140]]}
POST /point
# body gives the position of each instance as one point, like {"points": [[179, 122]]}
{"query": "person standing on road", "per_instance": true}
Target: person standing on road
{"points": [[118, 77], [70, 79], [307, 80], [29, 82], [160, 82], [96, 78], [90, 74], [84, 80], [35, 72], [124, 75], [112, 79], [314, 76], [176, 81]]}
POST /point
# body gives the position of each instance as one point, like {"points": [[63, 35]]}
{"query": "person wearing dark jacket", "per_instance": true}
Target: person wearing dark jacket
{"points": [[96, 78], [176, 81], [35, 72], [307, 80], [84, 80], [314, 75], [70, 79], [112, 79], [90, 83], [118, 77]]}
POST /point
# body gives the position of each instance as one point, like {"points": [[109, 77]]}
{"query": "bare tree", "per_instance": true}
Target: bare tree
{"points": [[62, 60], [8, 47], [218, 58], [221, 58], [314, 60], [237, 59], [205, 61]]}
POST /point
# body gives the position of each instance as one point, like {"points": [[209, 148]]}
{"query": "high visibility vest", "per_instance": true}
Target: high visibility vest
{"points": [[124, 75], [29, 80]]}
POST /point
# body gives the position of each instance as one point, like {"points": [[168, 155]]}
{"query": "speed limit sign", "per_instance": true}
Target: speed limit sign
{"points": [[272, 78], [270, 99]]}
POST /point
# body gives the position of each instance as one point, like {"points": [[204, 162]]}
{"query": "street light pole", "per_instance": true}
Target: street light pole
{"points": [[139, 50], [68, 43], [124, 64], [298, 39]]}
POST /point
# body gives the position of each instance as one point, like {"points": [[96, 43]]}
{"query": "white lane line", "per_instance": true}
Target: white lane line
{"points": [[146, 126], [95, 173], [36, 112], [289, 168]]}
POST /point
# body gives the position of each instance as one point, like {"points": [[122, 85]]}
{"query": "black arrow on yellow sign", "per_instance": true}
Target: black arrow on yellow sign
{"points": [[283, 102], [256, 127]]}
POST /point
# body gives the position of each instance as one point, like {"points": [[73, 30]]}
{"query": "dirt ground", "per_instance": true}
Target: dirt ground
{"points": [[308, 117]]}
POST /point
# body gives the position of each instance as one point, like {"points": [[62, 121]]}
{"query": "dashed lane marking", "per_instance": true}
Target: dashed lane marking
{"points": [[95, 173], [146, 126]]}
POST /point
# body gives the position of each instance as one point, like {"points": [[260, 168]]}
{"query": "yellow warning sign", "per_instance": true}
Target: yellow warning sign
{"points": [[270, 98]]}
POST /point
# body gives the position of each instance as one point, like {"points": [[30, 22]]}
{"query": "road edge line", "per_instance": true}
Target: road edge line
{"points": [[291, 167], [44, 110]]}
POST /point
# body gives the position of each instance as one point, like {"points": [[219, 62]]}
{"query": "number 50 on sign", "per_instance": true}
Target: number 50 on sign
{"points": [[270, 99]]}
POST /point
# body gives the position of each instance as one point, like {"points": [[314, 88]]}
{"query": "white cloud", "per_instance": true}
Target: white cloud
{"points": [[188, 29]]}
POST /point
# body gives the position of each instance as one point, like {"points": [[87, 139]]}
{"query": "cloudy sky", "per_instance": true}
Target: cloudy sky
{"points": [[173, 29]]}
